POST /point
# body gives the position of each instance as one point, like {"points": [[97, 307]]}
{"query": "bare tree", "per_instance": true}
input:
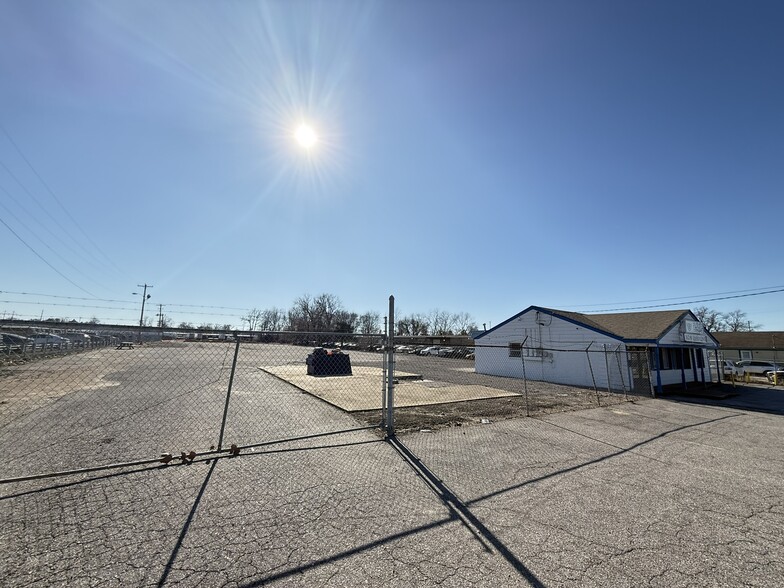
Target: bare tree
{"points": [[414, 325], [711, 319], [369, 323], [345, 322], [272, 319], [252, 318], [735, 321], [314, 314], [301, 314], [463, 323], [327, 306], [441, 322]]}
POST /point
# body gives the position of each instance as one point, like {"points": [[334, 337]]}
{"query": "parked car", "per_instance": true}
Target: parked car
{"points": [[776, 377], [49, 340], [463, 352], [14, 342], [80, 339], [446, 352], [727, 366], [756, 367], [429, 351]]}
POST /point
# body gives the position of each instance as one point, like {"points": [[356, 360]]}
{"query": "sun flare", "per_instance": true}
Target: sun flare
{"points": [[306, 136]]}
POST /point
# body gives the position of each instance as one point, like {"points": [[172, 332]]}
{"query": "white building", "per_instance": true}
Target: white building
{"points": [[620, 350]]}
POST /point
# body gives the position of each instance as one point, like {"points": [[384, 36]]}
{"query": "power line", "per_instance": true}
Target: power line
{"points": [[121, 301], [64, 297], [56, 199], [59, 304], [202, 306], [684, 302], [54, 220], [67, 305], [44, 243], [69, 280], [60, 240], [673, 298]]}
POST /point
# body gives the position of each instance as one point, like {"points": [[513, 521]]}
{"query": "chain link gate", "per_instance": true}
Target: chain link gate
{"points": [[173, 401]]}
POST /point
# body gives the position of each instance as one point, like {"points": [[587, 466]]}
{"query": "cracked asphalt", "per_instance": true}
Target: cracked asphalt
{"points": [[650, 493]]}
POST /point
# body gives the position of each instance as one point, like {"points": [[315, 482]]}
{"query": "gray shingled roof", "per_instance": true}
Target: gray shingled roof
{"points": [[628, 325]]}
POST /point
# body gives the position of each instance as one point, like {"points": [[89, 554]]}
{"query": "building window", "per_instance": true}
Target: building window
{"points": [[515, 349], [745, 354], [686, 356], [675, 358]]}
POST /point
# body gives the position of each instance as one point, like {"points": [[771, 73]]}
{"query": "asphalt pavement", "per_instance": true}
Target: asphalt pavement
{"points": [[654, 492]]}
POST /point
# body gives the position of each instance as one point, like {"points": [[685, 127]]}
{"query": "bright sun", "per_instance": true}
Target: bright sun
{"points": [[306, 136]]}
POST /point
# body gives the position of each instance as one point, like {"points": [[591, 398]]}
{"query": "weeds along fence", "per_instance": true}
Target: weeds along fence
{"points": [[170, 399], [440, 380]]}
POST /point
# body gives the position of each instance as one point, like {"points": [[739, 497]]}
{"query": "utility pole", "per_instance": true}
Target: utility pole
{"points": [[160, 316], [144, 296]]}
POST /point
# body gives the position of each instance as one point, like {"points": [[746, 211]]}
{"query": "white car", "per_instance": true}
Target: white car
{"points": [[53, 341], [755, 367], [429, 351], [727, 367]]}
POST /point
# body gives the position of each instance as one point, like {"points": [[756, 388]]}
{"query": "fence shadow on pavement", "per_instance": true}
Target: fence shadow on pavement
{"points": [[579, 466], [169, 564], [460, 511]]}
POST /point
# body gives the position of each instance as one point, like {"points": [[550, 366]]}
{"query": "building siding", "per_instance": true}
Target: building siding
{"points": [[564, 359]]}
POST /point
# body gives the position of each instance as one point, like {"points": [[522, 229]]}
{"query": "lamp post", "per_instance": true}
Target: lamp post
{"points": [[145, 297]]}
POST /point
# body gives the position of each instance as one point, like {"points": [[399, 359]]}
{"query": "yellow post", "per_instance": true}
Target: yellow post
{"points": [[746, 377]]}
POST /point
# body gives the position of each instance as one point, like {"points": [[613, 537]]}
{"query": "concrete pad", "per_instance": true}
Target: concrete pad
{"points": [[362, 390]]}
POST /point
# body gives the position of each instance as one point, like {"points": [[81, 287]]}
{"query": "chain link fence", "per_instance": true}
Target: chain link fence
{"points": [[106, 399], [458, 382], [119, 402]]}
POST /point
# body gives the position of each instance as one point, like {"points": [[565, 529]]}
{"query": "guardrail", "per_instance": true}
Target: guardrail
{"points": [[31, 351]]}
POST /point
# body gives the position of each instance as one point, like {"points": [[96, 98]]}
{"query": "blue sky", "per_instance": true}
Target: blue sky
{"points": [[472, 156]]}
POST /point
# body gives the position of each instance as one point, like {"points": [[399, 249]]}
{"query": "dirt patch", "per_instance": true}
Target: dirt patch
{"points": [[546, 399]]}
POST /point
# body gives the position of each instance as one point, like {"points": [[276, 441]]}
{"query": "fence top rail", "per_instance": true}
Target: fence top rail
{"points": [[578, 348]]}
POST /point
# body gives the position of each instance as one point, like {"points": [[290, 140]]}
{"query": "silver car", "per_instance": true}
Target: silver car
{"points": [[755, 367]]}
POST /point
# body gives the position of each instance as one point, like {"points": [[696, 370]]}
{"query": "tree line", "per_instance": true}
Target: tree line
{"points": [[735, 321], [325, 313]]}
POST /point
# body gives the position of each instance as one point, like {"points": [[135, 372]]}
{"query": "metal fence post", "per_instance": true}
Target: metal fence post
{"points": [[525, 379], [390, 349], [590, 367], [384, 359], [620, 371], [607, 368], [228, 394]]}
